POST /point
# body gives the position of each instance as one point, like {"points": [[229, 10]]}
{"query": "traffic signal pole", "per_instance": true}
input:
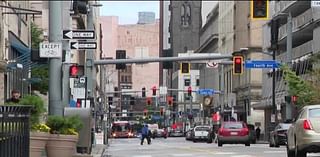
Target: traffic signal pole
{"points": [[289, 56], [55, 35]]}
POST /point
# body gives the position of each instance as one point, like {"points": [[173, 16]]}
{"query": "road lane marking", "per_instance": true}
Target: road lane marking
{"points": [[142, 156], [181, 154], [272, 151], [225, 153]]}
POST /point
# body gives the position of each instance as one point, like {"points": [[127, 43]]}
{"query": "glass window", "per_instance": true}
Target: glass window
{"points": [[314, 113], [233, 125]]}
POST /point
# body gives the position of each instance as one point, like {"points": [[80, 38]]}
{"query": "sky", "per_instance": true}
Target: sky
{"points": [[127, 11]]}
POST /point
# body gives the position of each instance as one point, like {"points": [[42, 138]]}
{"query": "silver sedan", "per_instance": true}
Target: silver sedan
{"points": [[304, 134]]}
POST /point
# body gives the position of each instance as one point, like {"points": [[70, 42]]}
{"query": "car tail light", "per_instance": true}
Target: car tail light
{"points": [[307, 125], [244, 132]]}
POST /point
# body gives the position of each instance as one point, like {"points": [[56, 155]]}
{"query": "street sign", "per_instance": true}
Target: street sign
{"points": [[212, 64], [78, 34], [82, 80], [163, 90], [50, 50], [82, 45], [205, 91], [315, 3], [261, 64]]}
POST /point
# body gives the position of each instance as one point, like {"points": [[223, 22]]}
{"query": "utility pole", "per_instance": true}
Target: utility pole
{"points": [[191, 119], [66, 65], [222, 90], [289, 56], [90, 56], [55, 35], [274, 47]]}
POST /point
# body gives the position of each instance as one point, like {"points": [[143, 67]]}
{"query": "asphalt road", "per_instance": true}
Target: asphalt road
{"points": [[179, 147]]}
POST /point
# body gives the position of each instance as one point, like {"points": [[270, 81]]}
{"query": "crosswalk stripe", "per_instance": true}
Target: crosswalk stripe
{"points": [[181, 155]]}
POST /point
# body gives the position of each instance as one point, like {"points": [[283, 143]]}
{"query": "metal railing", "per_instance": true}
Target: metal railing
{"points": [[14, 131]]}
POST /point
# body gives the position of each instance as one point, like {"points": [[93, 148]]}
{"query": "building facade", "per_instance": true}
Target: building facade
{"points": [[305, 32], [139, 41]]}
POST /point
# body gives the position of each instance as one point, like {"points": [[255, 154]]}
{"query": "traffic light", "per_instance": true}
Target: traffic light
{"points": [[143, 92], [237, 65], [132, 100], [149, 101], [154, 90], [185, 68], [116, 90], [120, 54], [170, 100], [76, 70], [78, 105], [167, 64], [294, 99], [80, 6], [145, 112], [161, 111], [189, 91], [259, 9]]}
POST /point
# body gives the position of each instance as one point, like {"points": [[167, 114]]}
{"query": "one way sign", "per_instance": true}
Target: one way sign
{"points": [[78, 34], [83, 45]]}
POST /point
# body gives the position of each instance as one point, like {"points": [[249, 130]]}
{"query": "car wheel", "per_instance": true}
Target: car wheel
{"points": [[209, 141], [247, 144], [220, 144], [194, 141], [290, 153], [299, 153], [276, 143]]}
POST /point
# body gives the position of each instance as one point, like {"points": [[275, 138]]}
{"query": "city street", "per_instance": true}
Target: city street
{"points": [[179, 147]]}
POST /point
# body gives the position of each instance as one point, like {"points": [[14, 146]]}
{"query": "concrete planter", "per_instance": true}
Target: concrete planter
{"points": [[61, 145], [38, 141]]}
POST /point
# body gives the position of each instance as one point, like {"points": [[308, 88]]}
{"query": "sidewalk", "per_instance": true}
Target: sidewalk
{"points": [[98, 149]]}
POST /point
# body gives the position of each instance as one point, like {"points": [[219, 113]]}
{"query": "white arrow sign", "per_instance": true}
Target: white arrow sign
{"points": [[83, 45], [78, 34]]}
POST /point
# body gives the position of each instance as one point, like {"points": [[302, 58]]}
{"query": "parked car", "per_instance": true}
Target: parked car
{"points": [[189, 134], [233, 133], [279, 135], [252, 134], [303, 136], [202, 133], [176, 132]]}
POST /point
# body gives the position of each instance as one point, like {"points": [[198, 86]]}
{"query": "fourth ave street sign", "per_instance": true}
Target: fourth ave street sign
{"points": [[83, 45]]}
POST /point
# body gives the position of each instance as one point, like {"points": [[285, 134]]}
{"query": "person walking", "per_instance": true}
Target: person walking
{"points": [[258, 131], [145, 134]]}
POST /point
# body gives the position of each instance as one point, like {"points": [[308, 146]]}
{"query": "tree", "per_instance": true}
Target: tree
{"points": [[307, 91], [42, 71]]}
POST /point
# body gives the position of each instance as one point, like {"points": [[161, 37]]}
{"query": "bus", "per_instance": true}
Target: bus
{"points": [[121, 129]]}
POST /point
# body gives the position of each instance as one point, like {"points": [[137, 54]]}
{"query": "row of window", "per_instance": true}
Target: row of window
{"points": [[300, 68], [187, 82]]}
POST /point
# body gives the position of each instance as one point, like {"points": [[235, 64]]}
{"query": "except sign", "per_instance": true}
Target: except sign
{"points": [[50, 50], [83, 45], [78, 34], [261, 64]]}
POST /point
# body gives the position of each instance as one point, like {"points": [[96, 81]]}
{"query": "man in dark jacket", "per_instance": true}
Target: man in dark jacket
{"points": [[15, 97], [145, 134]]}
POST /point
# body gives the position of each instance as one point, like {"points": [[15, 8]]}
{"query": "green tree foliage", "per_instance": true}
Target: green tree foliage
{"points": [[39, 72], [308, 90]]}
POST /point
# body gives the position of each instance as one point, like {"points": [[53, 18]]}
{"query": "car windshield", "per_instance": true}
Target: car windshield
{"points": [[233, 125], [202, 128], [314, 113]]}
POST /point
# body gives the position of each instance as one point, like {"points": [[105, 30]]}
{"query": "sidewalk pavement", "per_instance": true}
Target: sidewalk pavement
{"points": [[98, 150]]}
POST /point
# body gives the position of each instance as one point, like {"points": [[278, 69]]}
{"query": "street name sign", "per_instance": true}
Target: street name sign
{"points": [[315, 3], [205, 91], [261, 64], [83, 45], [50, 50], [78, 34]]}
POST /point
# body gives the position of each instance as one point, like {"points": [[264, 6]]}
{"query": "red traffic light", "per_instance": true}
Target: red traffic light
{"points": [[259, 9], [149, 101], [237, 65], [161, 111], [145, 112], [154, 90], [189, 90], [170, 100], [294, 98], [74, 70]]}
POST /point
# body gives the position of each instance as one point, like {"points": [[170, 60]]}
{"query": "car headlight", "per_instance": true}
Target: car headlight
{"points": [[114, 134]]}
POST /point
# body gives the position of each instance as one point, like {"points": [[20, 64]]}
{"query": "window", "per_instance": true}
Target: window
{"points": [[314, 113], [186, 97], [186, 82], [198, 82]]}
